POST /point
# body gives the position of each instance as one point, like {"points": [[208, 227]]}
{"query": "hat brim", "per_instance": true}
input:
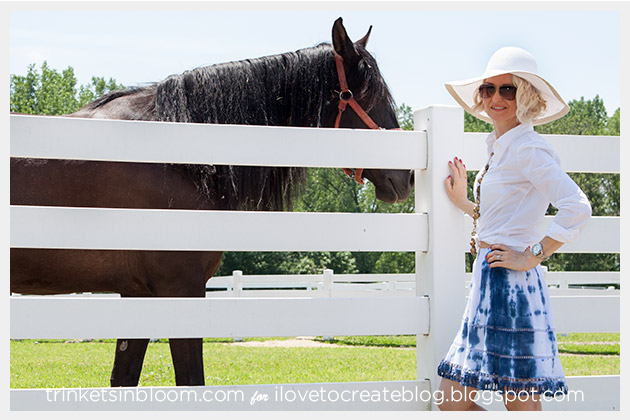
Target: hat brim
{"points": [[464, 93]]}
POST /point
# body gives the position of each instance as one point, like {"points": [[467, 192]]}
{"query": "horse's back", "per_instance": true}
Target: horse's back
{"points": [[129, 104], [76, 183]]}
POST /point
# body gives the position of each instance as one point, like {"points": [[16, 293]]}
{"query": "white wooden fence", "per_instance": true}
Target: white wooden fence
{"points": [[329, 284], [432, 313]]}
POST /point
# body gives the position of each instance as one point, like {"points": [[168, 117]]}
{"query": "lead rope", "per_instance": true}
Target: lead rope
{"points": [[473, 242]]}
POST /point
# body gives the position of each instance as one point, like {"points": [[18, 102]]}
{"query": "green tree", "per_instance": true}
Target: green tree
{"points": [[23, 91], [54, 93], [287, 262], [329, 190], [475, 125], [586, 118], [614, 123], [404, 115]]}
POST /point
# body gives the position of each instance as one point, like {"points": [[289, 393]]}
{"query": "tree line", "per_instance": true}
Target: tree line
{"points": [[49, 92]]}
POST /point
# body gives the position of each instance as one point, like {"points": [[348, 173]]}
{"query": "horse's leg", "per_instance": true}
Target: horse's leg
{"points": [[128, 361], [187, 354], [190, 271], [130, 352]]}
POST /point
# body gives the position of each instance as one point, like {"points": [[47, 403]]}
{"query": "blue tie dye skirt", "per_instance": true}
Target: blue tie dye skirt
{"points": [[506, 341]]}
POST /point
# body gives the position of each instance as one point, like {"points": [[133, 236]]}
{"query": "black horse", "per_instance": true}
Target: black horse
{"points": [[293, 89]]}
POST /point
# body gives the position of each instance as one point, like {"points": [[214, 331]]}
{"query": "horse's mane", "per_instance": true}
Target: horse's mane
{"points": [[290, 89]]}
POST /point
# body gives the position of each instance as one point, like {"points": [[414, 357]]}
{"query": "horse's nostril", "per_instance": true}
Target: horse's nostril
{"points": [[412, 178]]}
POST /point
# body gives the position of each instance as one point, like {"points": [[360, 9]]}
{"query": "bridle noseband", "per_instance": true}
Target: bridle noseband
{"points": [[346, 98]]}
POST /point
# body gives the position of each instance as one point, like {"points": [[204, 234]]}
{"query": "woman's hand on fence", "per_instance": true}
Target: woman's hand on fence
{"points": [[506, 257], [457, 186]]}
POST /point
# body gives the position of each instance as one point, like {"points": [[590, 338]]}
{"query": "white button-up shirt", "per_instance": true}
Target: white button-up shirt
{"points": [[523, 178]]}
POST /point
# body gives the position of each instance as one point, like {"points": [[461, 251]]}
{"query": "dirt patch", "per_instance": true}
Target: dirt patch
{"points": [[293, 342]]}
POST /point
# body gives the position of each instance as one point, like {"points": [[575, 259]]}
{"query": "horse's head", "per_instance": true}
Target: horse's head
{"points": [[372, 94]]}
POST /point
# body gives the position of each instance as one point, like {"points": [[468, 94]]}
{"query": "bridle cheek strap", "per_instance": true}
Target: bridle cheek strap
{"points": [[347, 98]]}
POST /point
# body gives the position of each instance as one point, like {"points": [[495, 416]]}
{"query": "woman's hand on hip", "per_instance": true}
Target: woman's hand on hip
{"points": [[456, 186], [506, 257]]}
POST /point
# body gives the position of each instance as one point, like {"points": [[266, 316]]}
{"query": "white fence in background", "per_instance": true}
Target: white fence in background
{"points": [[432, 311], [329, 284], [600, 296]]}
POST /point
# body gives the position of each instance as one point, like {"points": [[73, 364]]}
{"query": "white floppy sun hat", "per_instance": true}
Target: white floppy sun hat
{"points": [[520, 63]]}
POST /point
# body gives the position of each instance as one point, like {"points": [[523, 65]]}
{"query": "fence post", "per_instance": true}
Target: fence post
{"points": [[237, 288], [327, 291], [439, 271], [328, 281], [237, 283]]}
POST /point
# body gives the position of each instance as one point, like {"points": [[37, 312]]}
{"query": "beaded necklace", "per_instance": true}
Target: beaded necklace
{"points": [[473, 244]]}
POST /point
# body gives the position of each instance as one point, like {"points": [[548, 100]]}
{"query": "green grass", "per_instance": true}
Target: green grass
{"points": [[577, 348], [56, 364], [590, 337], [589, 365]]}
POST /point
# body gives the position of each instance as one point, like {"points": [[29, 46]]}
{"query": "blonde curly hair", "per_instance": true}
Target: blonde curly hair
{"points": [[529, 101]]}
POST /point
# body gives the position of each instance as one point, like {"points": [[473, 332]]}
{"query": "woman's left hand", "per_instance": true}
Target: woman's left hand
{"points": [[506, 257]]}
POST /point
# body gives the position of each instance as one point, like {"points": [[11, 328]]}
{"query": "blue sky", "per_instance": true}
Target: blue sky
{"points": [[418, 46]]}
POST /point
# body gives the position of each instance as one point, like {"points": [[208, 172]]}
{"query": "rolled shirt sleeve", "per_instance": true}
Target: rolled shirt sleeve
{"points": [[540, 164]]}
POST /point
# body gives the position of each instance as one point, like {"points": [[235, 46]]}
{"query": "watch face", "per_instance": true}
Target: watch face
{"points": [[537, 249]]}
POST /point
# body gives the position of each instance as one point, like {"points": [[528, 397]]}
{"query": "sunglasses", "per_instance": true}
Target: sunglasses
{"points": [[507, 92]]}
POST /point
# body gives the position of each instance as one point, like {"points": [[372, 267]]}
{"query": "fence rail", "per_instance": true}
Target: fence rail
{"points": [[91, 228], [149, 141], [216, 317], [599, 154]]}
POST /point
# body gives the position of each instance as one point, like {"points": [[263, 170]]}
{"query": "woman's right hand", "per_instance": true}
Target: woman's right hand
{"points": [[457, 186]]}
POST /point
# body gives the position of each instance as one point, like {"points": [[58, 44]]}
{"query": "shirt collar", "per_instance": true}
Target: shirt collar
{"points": [[499, 146]]}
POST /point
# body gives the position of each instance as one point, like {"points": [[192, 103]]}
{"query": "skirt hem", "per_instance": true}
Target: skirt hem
{"points": [[489, 382]]}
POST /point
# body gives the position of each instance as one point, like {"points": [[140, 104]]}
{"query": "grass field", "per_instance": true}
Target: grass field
{"points": [[57, 364]]}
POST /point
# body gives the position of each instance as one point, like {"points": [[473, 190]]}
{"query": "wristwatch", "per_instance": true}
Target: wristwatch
{"points": [[537, 250]]}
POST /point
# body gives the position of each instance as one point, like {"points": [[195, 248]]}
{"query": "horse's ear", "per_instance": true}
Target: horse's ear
{"points": [[342, 43], [363, 41]]}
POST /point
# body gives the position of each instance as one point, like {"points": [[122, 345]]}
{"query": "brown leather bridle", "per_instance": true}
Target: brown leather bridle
{"points": [[346, 98]]}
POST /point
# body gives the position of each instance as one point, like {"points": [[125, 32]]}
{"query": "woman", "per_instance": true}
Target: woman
{"points": [[507, 340]]}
